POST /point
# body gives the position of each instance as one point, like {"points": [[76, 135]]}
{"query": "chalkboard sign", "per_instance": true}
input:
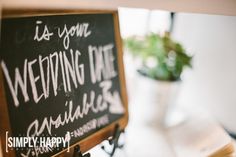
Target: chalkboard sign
{"points": [[61, 79]]}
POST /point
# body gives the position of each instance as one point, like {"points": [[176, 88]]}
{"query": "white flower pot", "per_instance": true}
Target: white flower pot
{"points": [[159, 97]]}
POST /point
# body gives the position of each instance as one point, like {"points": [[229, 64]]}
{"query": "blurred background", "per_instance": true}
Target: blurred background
{"points": [[211, 40]]}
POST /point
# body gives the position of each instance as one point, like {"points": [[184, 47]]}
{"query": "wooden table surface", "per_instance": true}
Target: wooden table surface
{"points": [[198, 136]]}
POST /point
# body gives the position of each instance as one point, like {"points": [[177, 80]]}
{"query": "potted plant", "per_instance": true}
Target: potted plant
{"points": [[163, 60]]}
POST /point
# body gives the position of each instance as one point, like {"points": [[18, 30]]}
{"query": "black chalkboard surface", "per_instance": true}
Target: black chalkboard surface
{"points": [[61, 77]]}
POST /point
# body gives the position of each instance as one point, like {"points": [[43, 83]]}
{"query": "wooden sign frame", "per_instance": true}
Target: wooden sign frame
{"points": [[100, 135]]}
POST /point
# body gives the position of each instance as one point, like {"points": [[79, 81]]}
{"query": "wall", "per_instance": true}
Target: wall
{"points": [[212, 82]]}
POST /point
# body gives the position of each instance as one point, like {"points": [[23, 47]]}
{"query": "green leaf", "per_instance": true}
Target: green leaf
{"points": [[161, 48]]}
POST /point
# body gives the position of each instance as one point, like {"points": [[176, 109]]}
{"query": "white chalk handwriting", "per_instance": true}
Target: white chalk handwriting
{"points": [[42, 32]]}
